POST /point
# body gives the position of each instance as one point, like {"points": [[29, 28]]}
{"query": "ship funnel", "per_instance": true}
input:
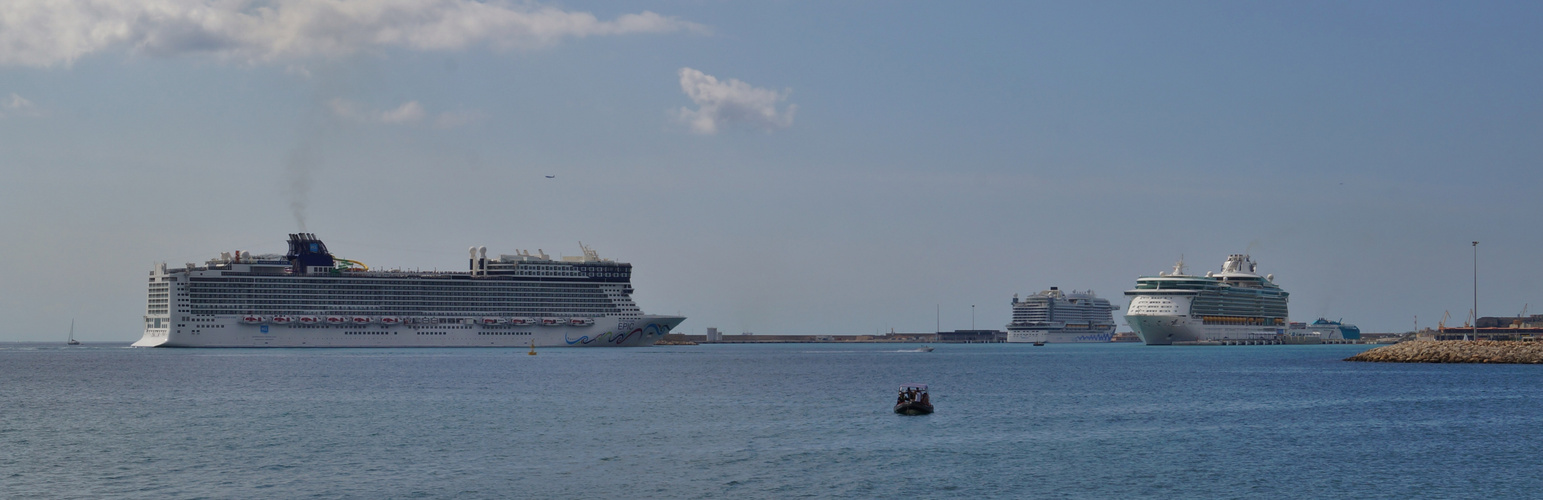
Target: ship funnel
{"points": [[306, 252]]}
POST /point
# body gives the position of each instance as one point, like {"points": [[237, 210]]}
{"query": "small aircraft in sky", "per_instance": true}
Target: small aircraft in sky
{"points": [[551, 177]]}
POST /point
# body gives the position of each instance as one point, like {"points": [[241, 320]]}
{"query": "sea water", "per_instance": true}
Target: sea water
{"points": [[761, 421]]}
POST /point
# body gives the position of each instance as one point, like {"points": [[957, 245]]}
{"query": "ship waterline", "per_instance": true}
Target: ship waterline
{"points": [[308, 298], [645, 332]]}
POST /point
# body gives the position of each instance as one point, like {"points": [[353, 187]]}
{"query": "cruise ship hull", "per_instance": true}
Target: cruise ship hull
{"points": [[310, 298], [231, 332], [1167, 330]]}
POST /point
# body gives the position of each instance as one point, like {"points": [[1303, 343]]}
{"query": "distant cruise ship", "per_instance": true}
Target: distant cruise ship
{"points": [[1235, 304], [1324, 329], [1053, 316], [308, 298]]}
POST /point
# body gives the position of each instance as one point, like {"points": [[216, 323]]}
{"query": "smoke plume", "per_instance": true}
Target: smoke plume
{"points": [[299, 164]]}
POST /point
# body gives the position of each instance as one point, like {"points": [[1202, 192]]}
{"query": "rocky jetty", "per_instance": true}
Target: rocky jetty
{"points": [[1455, 351]]}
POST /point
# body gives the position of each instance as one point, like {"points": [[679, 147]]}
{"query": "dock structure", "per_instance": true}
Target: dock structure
{"points": [[954, 337]]}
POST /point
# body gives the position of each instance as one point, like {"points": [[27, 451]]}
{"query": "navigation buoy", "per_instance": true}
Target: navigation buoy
{"points": [[532, 347]]}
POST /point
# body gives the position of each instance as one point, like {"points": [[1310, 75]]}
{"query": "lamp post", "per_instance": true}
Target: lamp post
{"points": [[972, 316], [1475, 290]]}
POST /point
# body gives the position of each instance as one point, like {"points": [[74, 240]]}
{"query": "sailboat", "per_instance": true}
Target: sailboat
{"points": [[72, 340]]}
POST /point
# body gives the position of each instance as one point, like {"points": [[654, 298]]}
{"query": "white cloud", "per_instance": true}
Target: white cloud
{"points": [[16, 105], [16, 102], [730, 102], [52, 32], [408, 113]]}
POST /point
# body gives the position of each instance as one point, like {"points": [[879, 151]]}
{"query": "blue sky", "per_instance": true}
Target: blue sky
{"points": [[781, 167]]}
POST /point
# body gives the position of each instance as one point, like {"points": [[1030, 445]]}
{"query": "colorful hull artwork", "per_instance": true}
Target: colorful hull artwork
{"points": [[644, 335]]}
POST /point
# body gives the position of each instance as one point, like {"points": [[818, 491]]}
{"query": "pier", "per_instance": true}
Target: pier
{"points": [[1283, 340], [954, 337]]}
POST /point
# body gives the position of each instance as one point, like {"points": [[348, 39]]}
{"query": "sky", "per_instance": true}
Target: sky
{"points": [[782, 167]]}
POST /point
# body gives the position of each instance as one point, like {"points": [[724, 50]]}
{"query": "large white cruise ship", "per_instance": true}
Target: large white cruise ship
{"points": [[308, 298], [1234, 304], [1056, 317]]}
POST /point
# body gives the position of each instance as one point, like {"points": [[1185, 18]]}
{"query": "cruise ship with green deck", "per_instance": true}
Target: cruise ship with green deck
{"points": [[1234, 304]]}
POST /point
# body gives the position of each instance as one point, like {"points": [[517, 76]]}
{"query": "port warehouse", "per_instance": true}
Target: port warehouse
{"points": [[1491, 328]]}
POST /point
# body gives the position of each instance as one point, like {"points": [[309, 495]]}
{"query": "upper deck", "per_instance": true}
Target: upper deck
{"points": [[309, 280], [1237, 274], [308, 257]]}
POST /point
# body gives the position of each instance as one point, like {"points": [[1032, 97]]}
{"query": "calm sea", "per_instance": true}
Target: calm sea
{"points": [[761, 421]]}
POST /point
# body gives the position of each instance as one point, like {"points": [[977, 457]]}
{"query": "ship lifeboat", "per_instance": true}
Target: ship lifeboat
{"points": [[551, 322], [252, 319], [361, 320], [308, 320], [336, 320], [282, 320], [490, 321], [390, 320], [580, 321], [522, 321]]}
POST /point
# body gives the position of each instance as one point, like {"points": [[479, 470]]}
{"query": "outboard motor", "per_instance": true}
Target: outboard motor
{"points": [[308, 255]]}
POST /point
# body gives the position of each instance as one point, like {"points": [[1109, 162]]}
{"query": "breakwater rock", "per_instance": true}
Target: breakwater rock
{"points": [[1455, 351]]}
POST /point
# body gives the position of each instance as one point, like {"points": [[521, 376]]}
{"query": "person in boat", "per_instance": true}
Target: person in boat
{"points": [[924, 399], [900, 400]]}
